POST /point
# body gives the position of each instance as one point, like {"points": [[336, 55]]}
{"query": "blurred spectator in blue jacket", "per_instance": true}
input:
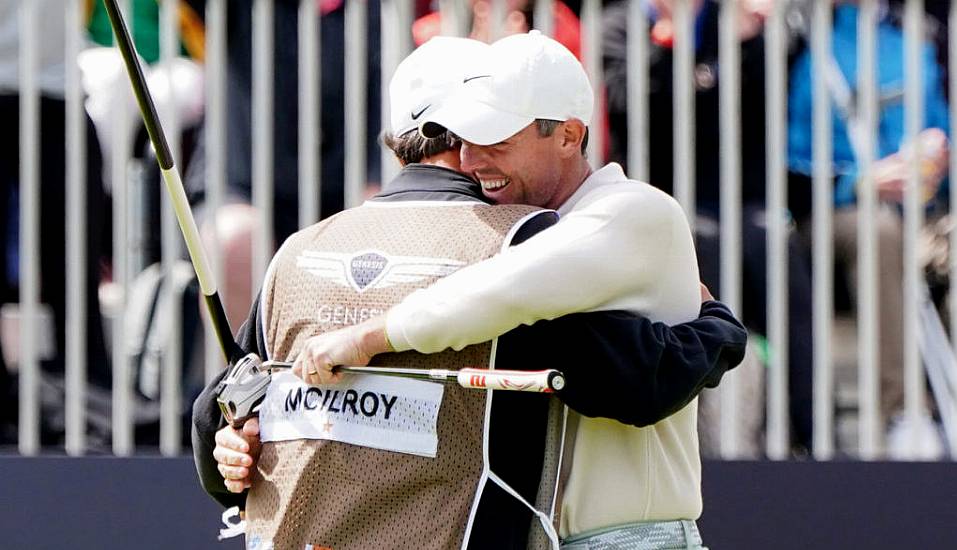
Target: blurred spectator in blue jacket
{"points": [[889, 171]]}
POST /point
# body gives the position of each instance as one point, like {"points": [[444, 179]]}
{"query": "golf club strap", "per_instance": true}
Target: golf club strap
{"points": [[232, 528], [542, 517]]}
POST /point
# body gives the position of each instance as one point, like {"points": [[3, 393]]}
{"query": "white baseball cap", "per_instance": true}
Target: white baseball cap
{"points": [[524, 77], [427, 77]]}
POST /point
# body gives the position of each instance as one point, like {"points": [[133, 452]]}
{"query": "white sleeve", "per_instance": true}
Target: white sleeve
{"points": [[607, 254]]}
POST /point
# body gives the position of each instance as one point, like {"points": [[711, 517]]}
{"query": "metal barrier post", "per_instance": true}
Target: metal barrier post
{"points": [[356, 24], [76, 236], [867, 310], [310, 158], [263, 99], [778, 440], [29, 435], [823, 235], [729, 93], [215, 155], [172, 368]]}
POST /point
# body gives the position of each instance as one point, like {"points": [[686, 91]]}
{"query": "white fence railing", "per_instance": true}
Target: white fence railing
{"points": [[396, 41]]}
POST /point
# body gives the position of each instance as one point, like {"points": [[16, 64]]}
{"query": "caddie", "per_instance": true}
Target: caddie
{"points": [[523, 119], [340, 466]]}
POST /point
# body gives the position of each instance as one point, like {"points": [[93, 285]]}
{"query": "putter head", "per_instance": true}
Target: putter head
{"points": [[241, 391]]}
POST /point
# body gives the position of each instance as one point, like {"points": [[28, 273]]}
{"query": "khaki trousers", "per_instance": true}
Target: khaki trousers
{"points": [[890, 293]]}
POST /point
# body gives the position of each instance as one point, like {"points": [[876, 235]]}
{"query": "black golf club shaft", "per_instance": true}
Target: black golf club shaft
{"points": [[174, 185]]}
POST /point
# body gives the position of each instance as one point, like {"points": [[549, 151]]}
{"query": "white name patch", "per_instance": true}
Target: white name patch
{"points": [[381, 412]]}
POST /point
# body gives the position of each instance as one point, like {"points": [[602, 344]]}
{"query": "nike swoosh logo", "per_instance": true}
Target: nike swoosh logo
{"points": [[474, 77], [415, 116]]}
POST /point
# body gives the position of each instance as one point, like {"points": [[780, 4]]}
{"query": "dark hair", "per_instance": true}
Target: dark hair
{"points": [[412, 147], [546, 127]]}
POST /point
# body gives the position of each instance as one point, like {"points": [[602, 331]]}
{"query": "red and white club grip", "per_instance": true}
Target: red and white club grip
{"points": [[541, 381]]}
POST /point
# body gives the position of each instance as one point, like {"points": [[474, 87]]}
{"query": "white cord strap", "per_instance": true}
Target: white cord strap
{"points": [[233, 528], [542, 517]]}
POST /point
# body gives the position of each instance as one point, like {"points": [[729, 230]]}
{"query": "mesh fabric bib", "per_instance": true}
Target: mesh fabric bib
{"points": [[351, 267]]}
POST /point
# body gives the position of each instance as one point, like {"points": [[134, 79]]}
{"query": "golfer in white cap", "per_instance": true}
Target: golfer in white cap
{"points": [[522, 115]]}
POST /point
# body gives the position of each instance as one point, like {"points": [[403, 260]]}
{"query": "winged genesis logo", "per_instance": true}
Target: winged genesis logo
{"points": [[369, 269]]}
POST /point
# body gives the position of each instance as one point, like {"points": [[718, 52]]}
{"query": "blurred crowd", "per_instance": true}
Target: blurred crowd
{"points": [[236, 222]]}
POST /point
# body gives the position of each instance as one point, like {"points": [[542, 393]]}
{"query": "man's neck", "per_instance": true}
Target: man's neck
{"points": [[576, 176], [448, 159]]}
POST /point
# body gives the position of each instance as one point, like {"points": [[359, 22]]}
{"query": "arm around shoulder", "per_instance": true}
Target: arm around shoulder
{"points": [[625, 367]]}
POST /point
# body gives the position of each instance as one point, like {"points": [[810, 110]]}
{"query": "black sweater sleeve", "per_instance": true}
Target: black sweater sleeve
{"points": [[625, 367], [207, 419]]}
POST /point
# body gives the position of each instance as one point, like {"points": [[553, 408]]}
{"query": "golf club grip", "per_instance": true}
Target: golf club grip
{"points": [[542, 381]]}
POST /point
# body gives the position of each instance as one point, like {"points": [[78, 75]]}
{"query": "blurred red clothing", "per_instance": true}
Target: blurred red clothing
{"points": [[567, 28]]}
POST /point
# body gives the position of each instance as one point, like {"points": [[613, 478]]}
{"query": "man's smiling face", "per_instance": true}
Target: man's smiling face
{"points": [[523, 169]]}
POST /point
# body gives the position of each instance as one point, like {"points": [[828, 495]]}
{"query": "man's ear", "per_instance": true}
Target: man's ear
{"points": [[572, 133]]}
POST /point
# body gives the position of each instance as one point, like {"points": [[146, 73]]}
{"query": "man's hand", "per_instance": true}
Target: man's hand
{"points": [[236, 453], [705, 293], [354, 345], [891, 172]]}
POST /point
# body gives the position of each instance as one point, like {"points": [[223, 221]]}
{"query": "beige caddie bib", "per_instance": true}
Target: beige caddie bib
{"points": [[377, 462]]}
